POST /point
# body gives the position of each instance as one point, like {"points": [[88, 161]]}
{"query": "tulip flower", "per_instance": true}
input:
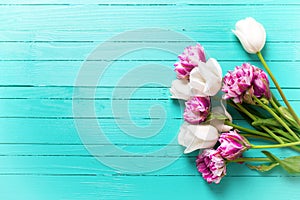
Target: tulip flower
{"points": [[206, 78], [180, 89], [188, 60], [244, 82], [212, 166], [195, 137], [251, 34], [197, 110], [232, 145]]}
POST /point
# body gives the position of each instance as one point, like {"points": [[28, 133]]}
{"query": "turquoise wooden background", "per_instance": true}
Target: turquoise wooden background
{"points": [[43, 44]]}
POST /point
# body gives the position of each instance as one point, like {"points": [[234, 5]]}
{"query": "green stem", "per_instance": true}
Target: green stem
{"points": [[275, 145], [293, 123], [274, 104], [278, 139], [267, 108], [283, 133], [261, 58], [245, 111], [250, 160], [267, 137], [255, 132], [275, 100], [272, 140]]}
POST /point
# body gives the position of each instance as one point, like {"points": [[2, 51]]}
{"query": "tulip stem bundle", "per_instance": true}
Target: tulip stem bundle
{"points": [[254, 118], [267, 108], [252, 133], [209, 127], [293, 113]]}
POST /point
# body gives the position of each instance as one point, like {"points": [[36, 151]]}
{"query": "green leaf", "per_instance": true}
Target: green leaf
{"points": [[271, 156], [266, 122], [290, 164], [263, 168]]}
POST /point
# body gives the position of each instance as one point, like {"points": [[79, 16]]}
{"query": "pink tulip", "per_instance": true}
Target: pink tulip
{"points": [[212, 166], [197, 110], [188, 60], [244, 82], [232, 145]]}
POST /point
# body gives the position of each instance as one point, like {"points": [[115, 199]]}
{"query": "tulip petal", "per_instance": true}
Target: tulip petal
{"points": [[206, 79], [180, 89], [195, 137]]}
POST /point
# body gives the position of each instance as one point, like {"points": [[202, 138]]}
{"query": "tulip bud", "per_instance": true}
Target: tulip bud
{"points": [[251, 34]]}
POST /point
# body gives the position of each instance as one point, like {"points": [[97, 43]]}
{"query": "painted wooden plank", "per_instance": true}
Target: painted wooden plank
{"points": [[91, 17], [204, 34], [63, 108], [63, 131], [143, 187], [138, 150], [211, 33], [89, 165], [64, 73], [149, 51], [122, 109], [147, 2], [48, 92]]}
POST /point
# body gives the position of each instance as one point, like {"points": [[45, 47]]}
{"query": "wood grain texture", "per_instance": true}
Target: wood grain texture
{"points": [[141, 187], [64, 73], [147, 2], [45, 43]]}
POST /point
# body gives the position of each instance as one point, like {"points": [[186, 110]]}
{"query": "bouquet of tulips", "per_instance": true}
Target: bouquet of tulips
{"points": [[209, 127]]}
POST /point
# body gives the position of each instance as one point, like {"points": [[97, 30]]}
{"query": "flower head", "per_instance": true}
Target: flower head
{"points": [[251, 34], [206, 78], [197, 110], [244, 82], [188, 60], [195, 137], [212, 166], [232, 145]]}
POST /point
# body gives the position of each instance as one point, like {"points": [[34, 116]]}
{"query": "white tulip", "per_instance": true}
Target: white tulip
{"points": [[206, 78], [251, 34], [180, 89], [195, 137]]}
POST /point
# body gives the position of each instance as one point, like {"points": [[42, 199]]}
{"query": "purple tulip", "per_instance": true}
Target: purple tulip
{"points": [[212, 166], [188, 60], [196, 110], [244, 82], [232, 145]]}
